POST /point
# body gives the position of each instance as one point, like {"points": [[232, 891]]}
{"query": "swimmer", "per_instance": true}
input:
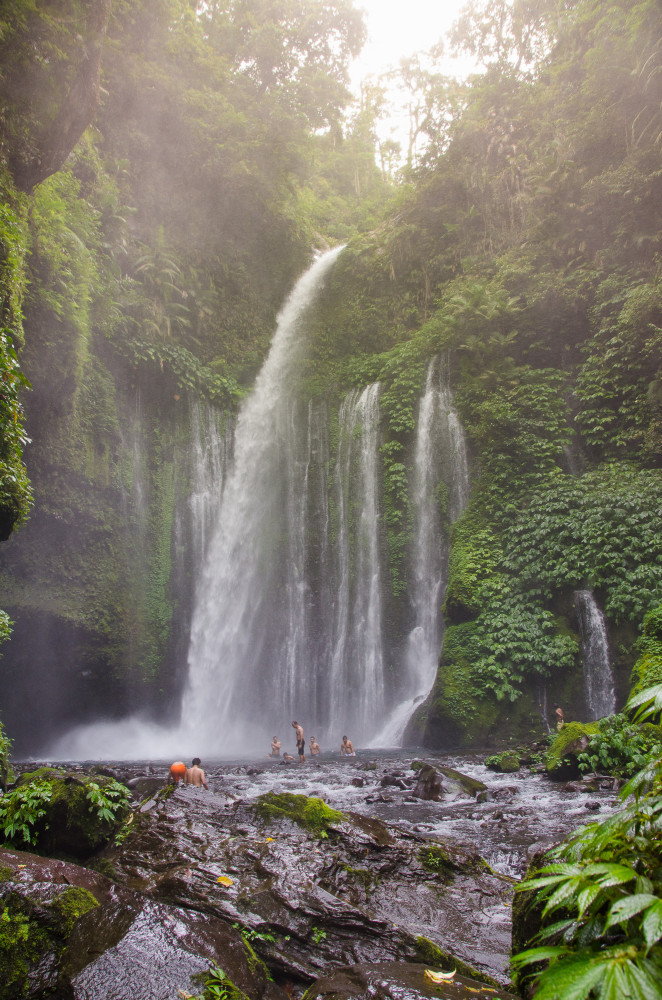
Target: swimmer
{"points": [[195, 775], [177, 771], [275, 747], [315, 748], [347, 748]]}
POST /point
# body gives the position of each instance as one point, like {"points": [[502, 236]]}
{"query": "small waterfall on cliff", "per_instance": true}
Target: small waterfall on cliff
{"points": [[248, 634], [598, 677], [439, 492], [356, 696]]}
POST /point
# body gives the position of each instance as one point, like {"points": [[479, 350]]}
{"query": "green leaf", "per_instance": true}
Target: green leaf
{"points": [[652, 924], [624, 909]]}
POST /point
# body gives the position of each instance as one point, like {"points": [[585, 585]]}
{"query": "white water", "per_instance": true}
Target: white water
{"points": [[242, 661], [598, 677], [289, 611], [440, 464], [356, 670]]}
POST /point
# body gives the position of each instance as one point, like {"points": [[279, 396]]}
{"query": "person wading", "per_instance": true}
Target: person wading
{"points": [[301, 743]]}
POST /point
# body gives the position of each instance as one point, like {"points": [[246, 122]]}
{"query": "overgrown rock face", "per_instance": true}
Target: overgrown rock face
{"points": [[78, 814], [70, 932], [562, 758]]}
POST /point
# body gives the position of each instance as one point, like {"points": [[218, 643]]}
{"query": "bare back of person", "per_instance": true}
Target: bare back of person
{"points": [[195, 775]]}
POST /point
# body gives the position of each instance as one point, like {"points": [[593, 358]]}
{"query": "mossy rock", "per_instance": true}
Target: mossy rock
{"points": [[505, 763], [33, 935], [81, 815], [311, 813], [572, 740]]}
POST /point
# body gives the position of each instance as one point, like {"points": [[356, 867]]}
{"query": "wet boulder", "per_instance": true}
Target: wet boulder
{"points": [[429, 785], [470, 787], [395, 980], [146, 786], [69, 931]]}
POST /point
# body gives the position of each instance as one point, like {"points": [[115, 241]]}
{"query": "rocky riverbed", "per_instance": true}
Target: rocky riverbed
{"points": [[377, 886]]}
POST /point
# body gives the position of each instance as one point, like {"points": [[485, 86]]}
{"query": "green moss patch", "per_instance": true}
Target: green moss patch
{"points": [[571, 740], [311, 813]]}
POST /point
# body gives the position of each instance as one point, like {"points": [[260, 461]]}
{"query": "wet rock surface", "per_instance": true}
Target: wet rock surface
{"points": [[91, 939], [397, 981], [395, 879]]}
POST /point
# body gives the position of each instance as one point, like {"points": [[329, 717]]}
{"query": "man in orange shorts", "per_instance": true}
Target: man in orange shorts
{"points": [[177, 771]]}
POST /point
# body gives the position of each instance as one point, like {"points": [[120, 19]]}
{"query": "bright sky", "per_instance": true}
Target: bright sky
{"points": [[398, 28]]}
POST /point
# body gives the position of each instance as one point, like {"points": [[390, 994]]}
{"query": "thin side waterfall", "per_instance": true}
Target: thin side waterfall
{"points": [[244, 643], [598, 677], [440, 479], [356, 672], [211, 454]]}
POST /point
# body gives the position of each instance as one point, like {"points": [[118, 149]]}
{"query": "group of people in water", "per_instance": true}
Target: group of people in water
{"points": [[346, 747], [194, 775]]}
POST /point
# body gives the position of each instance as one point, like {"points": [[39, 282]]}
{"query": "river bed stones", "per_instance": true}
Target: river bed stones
{"points": [[359, 890]]}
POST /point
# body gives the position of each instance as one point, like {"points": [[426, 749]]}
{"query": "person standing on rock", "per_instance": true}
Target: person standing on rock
{"points": [[195, 775], [301, 743], [347, 748], [558, 713]]}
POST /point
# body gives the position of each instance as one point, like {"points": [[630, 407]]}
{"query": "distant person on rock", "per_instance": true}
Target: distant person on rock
{"points": [[195, 775], [558, 714], [275, 747], [177, 771], [301, 743], [315, 748], [347, 748]]}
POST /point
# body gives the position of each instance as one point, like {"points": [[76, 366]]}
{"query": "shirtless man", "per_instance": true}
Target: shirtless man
{"points": [[347, 747], [301, 743], [195, 775], [275, 747], [315, 748]]}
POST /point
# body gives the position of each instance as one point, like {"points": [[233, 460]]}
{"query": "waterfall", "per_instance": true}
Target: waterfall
{"points": [[288, 552], [356, 674], [248, 634], [598, 677], [440, 476]]}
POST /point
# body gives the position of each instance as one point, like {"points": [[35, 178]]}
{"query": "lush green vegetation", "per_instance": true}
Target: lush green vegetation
{"points": [[145, 263], [601, 933]]}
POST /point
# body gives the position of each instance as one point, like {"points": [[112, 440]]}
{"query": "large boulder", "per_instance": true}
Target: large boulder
{"points": [[70, 932], [429, 785], [64, 812], [572, 740], [394, 981]]}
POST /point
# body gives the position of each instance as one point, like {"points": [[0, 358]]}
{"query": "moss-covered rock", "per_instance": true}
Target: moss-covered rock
{"points": [[561, 758], [312, 813], [63, 812], [505, 763]]}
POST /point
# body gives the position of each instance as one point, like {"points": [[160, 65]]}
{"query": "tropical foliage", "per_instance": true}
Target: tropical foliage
{"points": [[601, 933]]}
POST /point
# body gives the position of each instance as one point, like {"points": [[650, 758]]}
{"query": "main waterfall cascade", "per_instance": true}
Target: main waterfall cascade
{"points": [[291, 597], [598, 676]]}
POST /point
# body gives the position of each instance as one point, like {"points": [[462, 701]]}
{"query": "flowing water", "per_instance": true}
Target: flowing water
{"points": [[291, 612], [598, 676]]}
